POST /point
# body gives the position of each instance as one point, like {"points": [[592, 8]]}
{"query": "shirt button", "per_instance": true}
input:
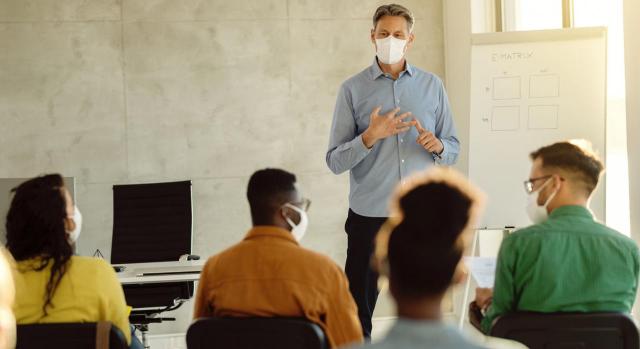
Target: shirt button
{"points": [[402, 161], [397, 101], [401, 140]]}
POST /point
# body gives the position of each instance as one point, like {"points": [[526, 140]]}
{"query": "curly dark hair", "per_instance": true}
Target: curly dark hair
{"points": [[35, 228], [423, 249]]}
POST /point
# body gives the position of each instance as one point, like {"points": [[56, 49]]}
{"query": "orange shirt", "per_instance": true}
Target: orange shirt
{"points": [[268, 274]]}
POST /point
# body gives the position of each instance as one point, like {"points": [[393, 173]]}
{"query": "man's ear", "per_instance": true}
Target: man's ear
{"points": [[557, 182], [287, 212], [373, 36], [460, 274], [284, 212], [69, 224]]}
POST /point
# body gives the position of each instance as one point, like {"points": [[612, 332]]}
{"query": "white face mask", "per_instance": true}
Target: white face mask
{"points": [[298, 230], [538, 214], [390, 50], [77, 218]]}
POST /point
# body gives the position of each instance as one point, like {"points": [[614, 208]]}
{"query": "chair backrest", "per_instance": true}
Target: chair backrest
{"points": [[251, 333], [66, 335], [151, 222], [568, 330]]}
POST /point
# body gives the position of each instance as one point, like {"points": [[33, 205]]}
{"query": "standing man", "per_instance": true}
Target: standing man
{"points": [[390, 120]]}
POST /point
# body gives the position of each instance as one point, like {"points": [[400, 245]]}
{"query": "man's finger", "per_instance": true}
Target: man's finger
{"points": [[393, 113], [404, 124], [401, 130], [425, 136], [432, 145], [402, 116], [376, 111], [419, 125]]}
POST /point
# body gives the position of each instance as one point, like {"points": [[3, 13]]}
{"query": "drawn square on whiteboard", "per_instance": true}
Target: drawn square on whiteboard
{"points": [[505, 118], [506, 87], [544, 86], [543, 117]]}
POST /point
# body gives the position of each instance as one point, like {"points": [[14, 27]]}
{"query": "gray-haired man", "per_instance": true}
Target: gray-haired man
{"points": [[390, 120]]}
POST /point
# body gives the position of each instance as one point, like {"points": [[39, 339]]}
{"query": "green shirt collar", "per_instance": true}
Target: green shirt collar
{"points": [[571, 210]]}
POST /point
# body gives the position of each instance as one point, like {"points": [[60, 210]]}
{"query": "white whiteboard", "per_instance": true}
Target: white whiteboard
{"points": [[530, 89]]}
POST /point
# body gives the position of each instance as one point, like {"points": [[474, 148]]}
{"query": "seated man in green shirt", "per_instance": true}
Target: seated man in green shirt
{"points": [[567, 261]]}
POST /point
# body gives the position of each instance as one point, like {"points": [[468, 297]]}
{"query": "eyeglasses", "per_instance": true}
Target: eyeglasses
{"points": [[528, 184], [303, 204]]}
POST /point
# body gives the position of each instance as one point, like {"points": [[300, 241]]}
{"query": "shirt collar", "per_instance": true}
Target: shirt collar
{"points": [[571, 210], [404, 328], [267, 231], [376, 72]]}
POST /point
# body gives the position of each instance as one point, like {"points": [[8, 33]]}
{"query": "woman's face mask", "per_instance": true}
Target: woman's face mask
{"points": [[75, 233]]}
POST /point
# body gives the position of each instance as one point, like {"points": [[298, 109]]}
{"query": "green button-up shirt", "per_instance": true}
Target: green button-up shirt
{"points": [[569, 263]]}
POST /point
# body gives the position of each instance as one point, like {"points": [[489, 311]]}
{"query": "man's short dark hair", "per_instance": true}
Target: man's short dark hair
{"points": [[574, 158], [423, 241], [267, 191]]}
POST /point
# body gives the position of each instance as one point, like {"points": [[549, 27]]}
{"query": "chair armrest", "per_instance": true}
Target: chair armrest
{"points": [[189, 257]]}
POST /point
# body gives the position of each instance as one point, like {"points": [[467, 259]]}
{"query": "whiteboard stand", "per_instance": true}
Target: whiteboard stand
{"points": [[481, 249], [467, 287]]}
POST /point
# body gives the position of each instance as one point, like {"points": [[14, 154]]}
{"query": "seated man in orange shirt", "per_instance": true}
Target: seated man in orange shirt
{"points": [[269, 274]]}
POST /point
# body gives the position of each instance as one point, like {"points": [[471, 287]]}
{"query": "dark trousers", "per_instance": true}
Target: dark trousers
{"points": [[363, 281]]}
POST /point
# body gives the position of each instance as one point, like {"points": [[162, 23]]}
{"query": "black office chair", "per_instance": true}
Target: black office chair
{"points": [[70, 336], [568, 330], [152, 223], [255, 333]]}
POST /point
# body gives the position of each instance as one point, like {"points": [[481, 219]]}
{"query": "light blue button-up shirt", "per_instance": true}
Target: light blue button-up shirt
{"points": [[375, 172]]}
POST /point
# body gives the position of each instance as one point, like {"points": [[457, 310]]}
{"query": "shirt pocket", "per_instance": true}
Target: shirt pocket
{"points": [[425, 112]]}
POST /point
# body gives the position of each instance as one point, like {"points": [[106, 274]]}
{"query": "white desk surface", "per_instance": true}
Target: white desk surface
{"points": [[146, 273]]}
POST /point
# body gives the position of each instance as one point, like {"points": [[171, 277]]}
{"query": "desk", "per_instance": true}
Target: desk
{"points": [[160, 272]]}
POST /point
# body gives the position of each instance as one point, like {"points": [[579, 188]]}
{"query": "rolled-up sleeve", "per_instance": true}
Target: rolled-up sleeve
{"points": [[446, 130], [346, 148]]}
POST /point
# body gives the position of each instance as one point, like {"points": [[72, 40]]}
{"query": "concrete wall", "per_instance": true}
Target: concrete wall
{"points": [[457, 32], [129, 91]]}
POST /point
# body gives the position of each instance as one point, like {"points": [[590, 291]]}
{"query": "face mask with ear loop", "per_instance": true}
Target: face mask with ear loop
{"points": [[538, 214], [390, 50], [75, 233], [298, 230]]}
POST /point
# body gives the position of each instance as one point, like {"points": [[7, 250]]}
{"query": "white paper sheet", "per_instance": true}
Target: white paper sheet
{"points": [[483, 270]]}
